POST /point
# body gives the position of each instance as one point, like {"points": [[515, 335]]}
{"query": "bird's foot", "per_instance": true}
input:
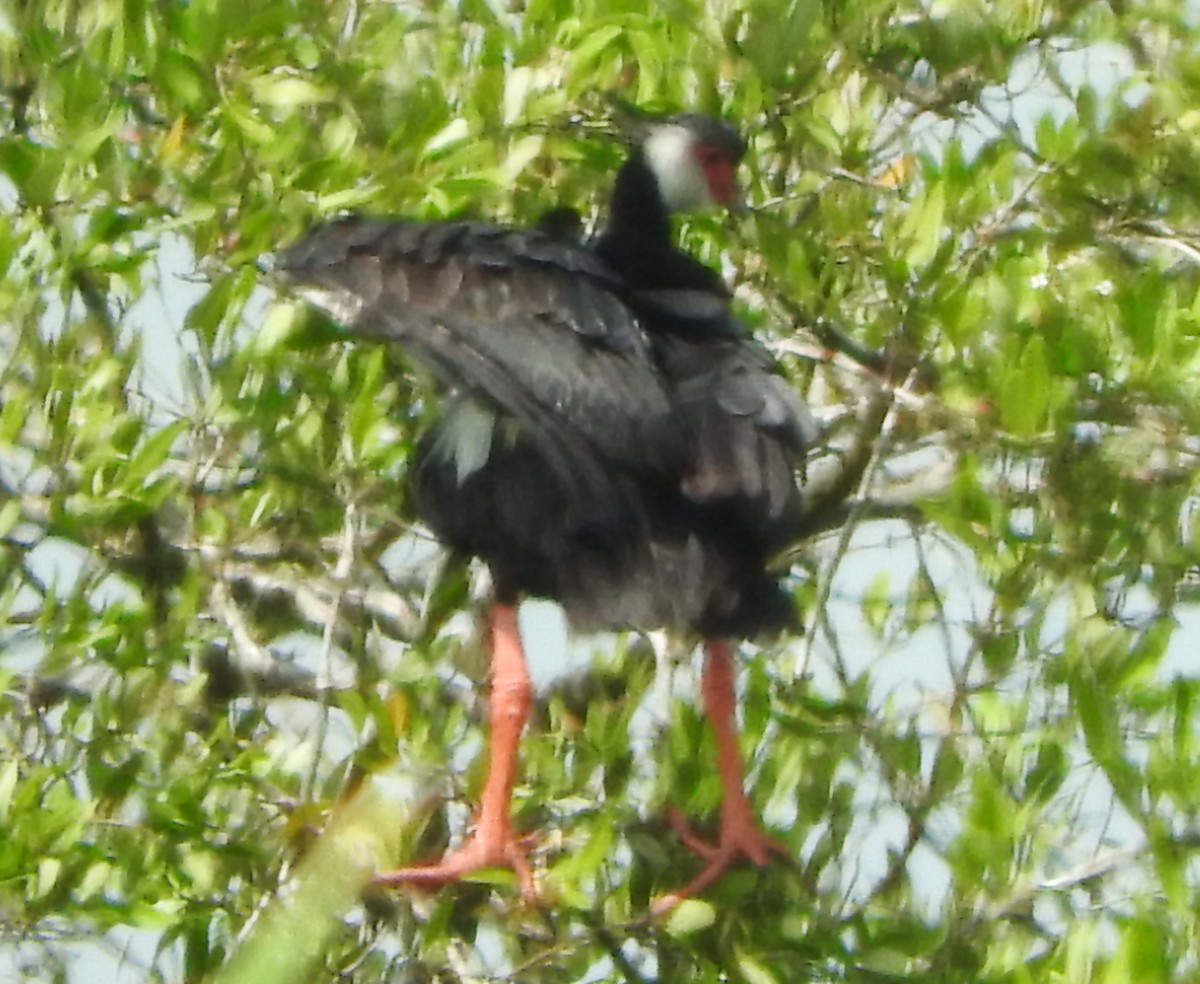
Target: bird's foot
{"points": [[740, 837], [482, 850]]}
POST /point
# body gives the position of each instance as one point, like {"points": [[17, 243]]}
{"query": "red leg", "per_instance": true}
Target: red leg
{"points": [[740, 835], [493, 844]]}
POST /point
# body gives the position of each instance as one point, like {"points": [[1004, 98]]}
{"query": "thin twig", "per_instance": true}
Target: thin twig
{"points": [[341, 575]]}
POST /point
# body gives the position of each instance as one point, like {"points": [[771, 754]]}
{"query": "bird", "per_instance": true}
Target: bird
{"points": [[611, 437]]}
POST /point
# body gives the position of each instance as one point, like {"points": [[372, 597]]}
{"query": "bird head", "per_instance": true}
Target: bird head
{"points": [[693, 158]]}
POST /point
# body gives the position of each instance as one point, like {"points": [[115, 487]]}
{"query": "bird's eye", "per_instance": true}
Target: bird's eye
{"points": [[707, 155]]}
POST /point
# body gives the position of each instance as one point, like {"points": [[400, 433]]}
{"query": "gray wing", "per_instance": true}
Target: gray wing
{"points": [[524, 322], [746, 430]]}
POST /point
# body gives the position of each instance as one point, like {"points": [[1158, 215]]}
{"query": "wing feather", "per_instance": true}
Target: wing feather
{"points": [[531, 325]]}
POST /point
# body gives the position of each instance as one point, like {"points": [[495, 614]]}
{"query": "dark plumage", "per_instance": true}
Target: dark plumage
{"points": [[613, 439]]}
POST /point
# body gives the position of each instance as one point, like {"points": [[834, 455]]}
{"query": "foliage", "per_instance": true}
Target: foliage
{"points": [[974, 241]]}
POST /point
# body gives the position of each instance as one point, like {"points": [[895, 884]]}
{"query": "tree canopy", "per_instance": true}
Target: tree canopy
{"points": [[236, 675]]}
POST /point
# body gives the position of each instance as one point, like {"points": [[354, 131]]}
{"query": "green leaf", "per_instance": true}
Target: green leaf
{"points": [[1025, 392], [587, 52], [454, 132], [152, 452], [1049, 771], [922, 228], [518, 158], [1098, 717], [754, 972], [689, 917], [9, 774], [33, 168], [278, 327], [10, 515], [877, 603], [94, 881], [48, 870], [1141, 957], [185, 81], [287, 92]]}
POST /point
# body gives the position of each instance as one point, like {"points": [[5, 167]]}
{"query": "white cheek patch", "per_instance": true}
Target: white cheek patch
{"points": [[681, 180]]}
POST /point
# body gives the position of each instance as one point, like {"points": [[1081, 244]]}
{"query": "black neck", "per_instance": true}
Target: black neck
{"points": [[638, 242], [637, 211]]}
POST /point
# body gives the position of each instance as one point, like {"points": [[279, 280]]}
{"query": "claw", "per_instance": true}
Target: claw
{"points": [[740, 836], [492, 849]]}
